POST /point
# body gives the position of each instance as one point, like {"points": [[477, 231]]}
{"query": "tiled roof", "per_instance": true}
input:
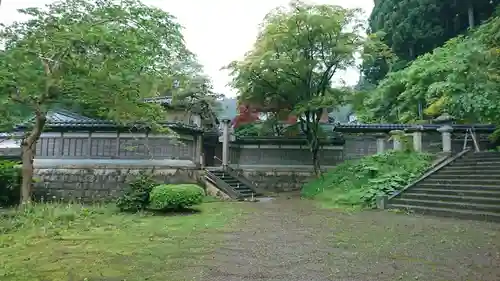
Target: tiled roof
{"points": [[67, 119], [390, 127]]}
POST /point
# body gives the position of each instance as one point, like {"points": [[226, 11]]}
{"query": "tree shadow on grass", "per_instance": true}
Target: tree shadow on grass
{"points": [[175, 212]]}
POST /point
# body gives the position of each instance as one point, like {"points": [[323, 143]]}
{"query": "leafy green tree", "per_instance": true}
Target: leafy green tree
{"points": [[378, 58], [416, 27], [103, 56], [461, 78], [299, 49]]}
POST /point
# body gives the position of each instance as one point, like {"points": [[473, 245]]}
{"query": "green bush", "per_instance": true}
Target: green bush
{"points": [[175, 196], [136, 197], [10, 183], [358, 182], [247, 130]]}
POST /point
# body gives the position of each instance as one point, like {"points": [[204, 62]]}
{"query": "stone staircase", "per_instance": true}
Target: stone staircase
{"points": [[468, 188], [231, 184]]}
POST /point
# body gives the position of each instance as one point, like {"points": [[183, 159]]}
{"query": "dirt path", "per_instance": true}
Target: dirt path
{"points": [[291, 240]]}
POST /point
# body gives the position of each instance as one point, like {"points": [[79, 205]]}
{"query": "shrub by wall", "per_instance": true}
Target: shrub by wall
{"points": [[10, 183], [175, 196], [136, 197], [357, 183]]}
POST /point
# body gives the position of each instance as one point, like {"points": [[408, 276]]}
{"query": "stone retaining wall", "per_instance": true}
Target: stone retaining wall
{"points": [[277, 179], [101, 183]]}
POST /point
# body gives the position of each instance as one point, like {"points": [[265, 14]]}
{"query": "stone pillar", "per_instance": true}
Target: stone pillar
{"points": [[417, 141], [225, 142], [382, 201], [380, 142], [199, 150], [446, 137], [196, 120], [396, 141], [446, 121]]}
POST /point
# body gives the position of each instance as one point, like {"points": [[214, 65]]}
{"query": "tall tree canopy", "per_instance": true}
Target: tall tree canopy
{"points": [[415, 27], [299, 49], [101, 56], [462, 78]]}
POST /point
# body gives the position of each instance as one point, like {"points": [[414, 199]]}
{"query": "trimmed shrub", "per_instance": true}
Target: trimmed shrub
{"points": [[175, 196], [136, 197], [10, 183]]}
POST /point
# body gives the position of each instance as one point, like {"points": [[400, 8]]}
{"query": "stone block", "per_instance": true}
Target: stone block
{"points": [[382, 202]]}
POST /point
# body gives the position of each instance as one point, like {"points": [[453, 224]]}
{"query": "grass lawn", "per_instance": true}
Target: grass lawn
{"points": [[69, 242], [282, 240]]}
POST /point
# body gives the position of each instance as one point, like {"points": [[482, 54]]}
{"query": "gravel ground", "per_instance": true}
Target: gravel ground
{"points": [[292, 240]]}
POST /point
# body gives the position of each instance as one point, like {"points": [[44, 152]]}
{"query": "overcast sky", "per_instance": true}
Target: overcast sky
{"points": [[218, 31]]}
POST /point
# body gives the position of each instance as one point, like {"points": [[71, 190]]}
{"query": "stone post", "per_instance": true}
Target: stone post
{"points": [[417, 141], [445, 131], [382, 201], [380, 142], [199, 150], [446, 121], [396, 142], [225, 142]]}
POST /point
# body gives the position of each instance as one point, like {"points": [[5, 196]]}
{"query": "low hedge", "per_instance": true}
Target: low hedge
{"points": [[175, 196], [10, 183]]}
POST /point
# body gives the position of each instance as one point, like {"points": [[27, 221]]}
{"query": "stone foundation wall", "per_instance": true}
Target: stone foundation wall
{"points": [[101, 183], [277, 179]]}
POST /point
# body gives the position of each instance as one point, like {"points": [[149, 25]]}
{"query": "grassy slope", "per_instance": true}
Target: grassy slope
{"points": [[73, 243], [356, 183]]}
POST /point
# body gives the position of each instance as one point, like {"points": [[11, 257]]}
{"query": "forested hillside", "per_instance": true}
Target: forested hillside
{"points": [[444, 56], [416, 27]]}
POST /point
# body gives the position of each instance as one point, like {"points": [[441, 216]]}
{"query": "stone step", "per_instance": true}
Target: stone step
{"points": [[229, 179], [224, 176], [214, 169], [478, 173], [226, 179], [239, 186], [485, 153], [471, 180], [493, 208], [470, 169], [481, 163], [234, 183], [475, 161], [451, 198], [221, 174], [246, 191], [455, 192], [445, 212], [445, 176], [480, 158], [458, 186]]}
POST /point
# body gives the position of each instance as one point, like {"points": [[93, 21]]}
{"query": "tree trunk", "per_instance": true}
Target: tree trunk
{"points": [[411, 52], [470, 12], [315, 159], [28, 146], [309, 126], [27, 172]]}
